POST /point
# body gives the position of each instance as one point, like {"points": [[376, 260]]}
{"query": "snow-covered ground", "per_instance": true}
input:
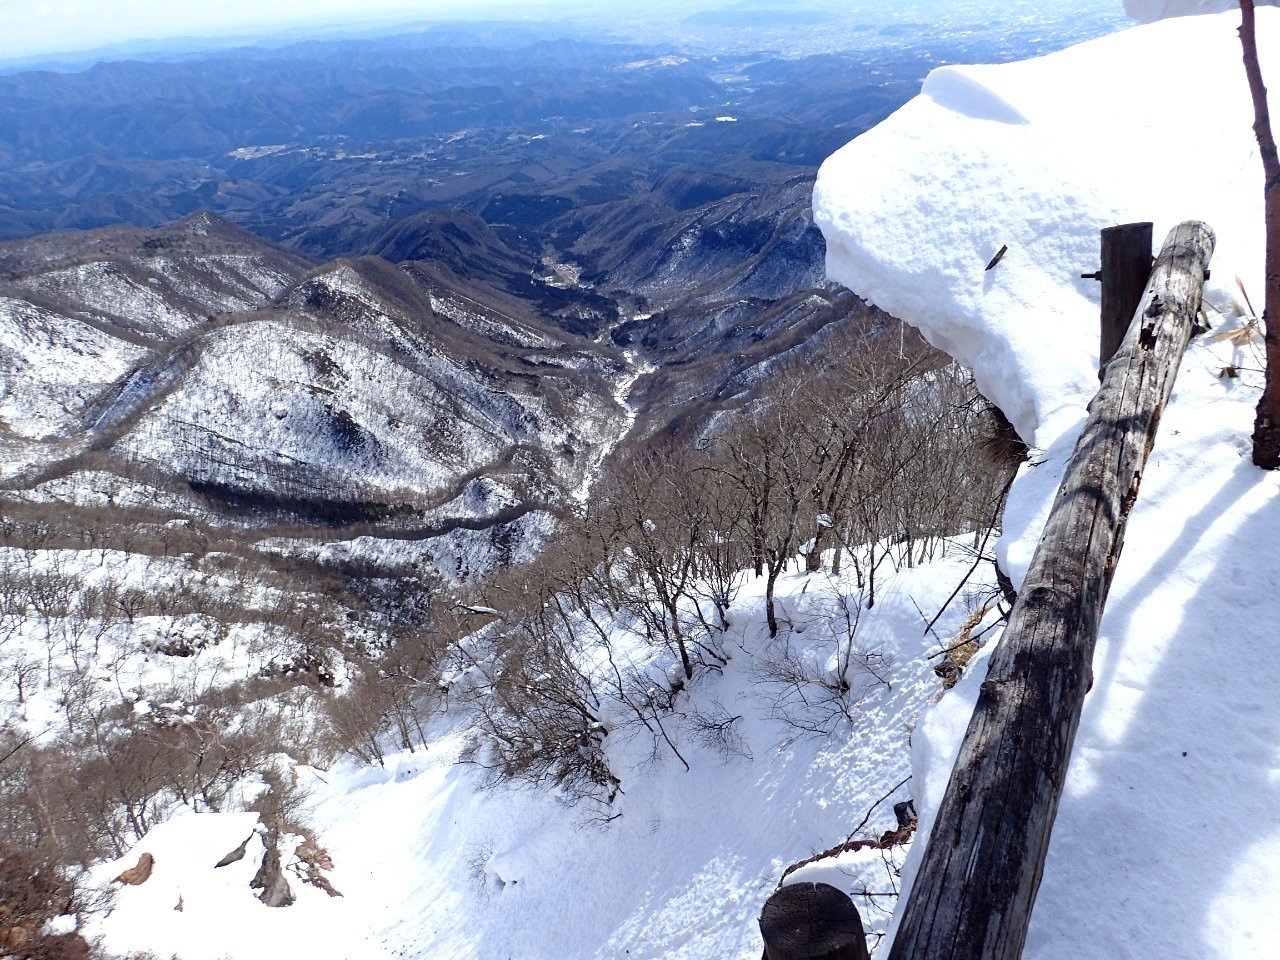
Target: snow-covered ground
{"points": [[1167, 838], [433, 864], [190, 908]]}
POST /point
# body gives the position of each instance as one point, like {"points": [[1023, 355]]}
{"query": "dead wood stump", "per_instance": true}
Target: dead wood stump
{"points": [[812, 921]]}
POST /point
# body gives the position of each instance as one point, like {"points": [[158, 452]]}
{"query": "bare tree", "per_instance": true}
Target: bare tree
{"points": [[762, 456], [1266, 424]]}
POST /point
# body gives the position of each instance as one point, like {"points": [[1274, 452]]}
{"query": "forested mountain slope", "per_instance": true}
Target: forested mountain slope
{"points": [[552, 559]]}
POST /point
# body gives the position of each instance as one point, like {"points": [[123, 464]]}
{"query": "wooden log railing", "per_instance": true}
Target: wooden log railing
{"points": [[976, 885]]}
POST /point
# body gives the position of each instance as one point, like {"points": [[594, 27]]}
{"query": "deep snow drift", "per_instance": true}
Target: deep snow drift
{"points": [[1149, 10], [1167, 840]]}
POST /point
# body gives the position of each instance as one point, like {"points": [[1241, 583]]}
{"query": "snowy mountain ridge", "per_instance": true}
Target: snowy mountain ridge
{"points": [[221, 372]]}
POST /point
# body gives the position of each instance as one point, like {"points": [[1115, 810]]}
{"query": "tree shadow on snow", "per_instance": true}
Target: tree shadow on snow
{"points": [[1174, 776]]}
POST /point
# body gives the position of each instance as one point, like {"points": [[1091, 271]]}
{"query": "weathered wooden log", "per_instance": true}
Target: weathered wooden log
{"points": [[1126, 266], [974, 891], [812, 921]]}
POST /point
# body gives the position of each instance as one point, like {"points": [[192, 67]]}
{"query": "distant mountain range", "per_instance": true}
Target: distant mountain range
{"points": [[471, 269]]}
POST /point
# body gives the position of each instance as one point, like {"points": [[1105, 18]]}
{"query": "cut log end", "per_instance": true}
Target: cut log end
{"points": [[812, 921]]}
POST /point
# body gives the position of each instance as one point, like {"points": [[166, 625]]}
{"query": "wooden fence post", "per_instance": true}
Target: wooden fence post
{"points": [[812, 921], [976, 885], [1126, 265]]}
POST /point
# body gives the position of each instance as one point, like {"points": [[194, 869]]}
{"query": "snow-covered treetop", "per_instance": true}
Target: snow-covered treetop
{"points": [[1149, 10]]}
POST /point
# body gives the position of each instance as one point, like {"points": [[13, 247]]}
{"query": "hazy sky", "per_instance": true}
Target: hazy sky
{"points": [[29, 27], [39, 27]]}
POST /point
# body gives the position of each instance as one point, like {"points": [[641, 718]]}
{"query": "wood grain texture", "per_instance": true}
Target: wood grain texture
{"points": [[812, 921], [974, 892], [1126, 267]]}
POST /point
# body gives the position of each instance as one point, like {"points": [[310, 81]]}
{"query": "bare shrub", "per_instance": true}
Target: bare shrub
{"points": [[389, 695], [873, 457], [712, 725], [33, 891], [91, 795], [476, 860], [814, 681], [533, 695], [380, 699], [860, 451]]}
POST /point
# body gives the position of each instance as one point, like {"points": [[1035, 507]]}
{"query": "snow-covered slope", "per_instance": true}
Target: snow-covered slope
{"points": [[1167, 837], [79, 311], [149, 285], [54, 366], [433, 863], [342, 396], [199, 367]]}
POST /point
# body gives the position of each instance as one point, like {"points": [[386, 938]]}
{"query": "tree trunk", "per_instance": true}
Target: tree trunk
{"points": [[973, 895], [871, 575], [1266, 423], [813, 560], [771, 615]]}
